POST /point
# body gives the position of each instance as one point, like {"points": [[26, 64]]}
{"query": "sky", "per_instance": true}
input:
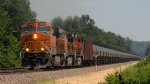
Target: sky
{"points": [[128, 18]]}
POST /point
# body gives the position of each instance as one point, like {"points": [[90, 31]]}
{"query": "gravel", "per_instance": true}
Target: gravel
{"points": [[30, 78]]}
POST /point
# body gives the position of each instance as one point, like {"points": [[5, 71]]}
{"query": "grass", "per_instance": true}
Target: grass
{"points": [[44, 81], [136, 74]]}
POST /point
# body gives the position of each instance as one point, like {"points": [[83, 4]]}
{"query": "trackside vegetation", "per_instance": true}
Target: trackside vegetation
{"points": [[13, 13], [137, 74]]}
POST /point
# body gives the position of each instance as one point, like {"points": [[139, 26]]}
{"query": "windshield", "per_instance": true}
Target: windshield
{"points": [[43, 29], [28, 29], [61, 35]]}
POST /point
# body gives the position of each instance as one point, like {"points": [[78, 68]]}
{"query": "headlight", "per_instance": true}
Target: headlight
{"points": [[27, 49], [42, 49], [35, 36]]}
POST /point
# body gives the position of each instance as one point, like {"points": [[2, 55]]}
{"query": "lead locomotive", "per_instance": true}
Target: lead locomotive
{"points": [[43, 45]]}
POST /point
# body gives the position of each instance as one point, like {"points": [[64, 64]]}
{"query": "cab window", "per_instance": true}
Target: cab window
{"points": [[61, 35], [28, 29], [43, 30]]}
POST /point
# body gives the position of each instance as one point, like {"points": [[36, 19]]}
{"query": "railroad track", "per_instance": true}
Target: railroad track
{"points": [[7, 71], [16, 70], [12, 70]]}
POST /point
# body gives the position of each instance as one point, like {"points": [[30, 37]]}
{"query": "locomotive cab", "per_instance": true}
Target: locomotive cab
{"points": [[74, 43], [61, 40], [36, 44], [36, 37], [75, 48], [58, 59]]}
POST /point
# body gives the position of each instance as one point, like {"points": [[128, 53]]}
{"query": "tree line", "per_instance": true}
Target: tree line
{"points": [[13, 13], [85, 26], [148, 51]]}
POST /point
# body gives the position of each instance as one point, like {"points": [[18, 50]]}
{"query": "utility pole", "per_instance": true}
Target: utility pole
{"points": [[96, 63]]}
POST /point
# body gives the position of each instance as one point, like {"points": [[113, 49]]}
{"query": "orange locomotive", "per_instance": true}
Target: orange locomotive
{"points": [[43, 45]]}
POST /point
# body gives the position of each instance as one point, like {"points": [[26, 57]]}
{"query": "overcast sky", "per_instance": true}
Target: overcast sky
{"points": [[129, 18]]}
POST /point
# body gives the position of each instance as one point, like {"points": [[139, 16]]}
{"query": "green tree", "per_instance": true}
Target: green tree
{"points": [[128, 43], [8, 43], [72, 24], [68, 24], [86, 20], [19, 12], [58, 22], [8, 50], [148, 51], [13, 13], [4, 20]]}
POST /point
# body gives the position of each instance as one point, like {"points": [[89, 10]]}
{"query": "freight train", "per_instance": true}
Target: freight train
{"points": [[44, 45]]}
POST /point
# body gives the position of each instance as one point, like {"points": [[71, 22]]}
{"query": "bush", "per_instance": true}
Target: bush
{"points": [[8, 55], [114, 78], [137, 74]]}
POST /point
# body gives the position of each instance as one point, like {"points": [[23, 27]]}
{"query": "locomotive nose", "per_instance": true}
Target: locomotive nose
{"points": [[35, 43]]}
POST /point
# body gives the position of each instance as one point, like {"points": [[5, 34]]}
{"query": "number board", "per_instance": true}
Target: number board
{"points": [[42, 24]]}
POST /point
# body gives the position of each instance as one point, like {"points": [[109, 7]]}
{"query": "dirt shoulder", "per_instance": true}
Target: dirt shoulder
{"points": [[93, 77]]}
